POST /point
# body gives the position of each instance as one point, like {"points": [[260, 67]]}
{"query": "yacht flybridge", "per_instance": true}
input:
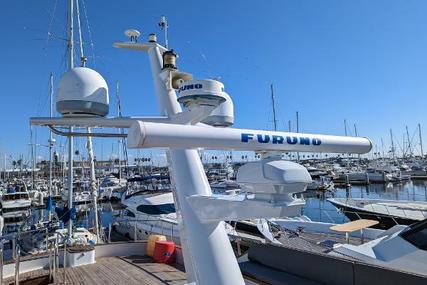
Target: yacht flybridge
{"points": [[196, 113]]}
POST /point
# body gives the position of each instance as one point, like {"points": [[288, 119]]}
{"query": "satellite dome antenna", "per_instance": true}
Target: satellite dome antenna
{"points": [[133, 35], [163, 24]]}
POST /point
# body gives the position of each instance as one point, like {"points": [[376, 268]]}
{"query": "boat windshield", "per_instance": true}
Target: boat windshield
{"points": [[10, 197], [417, 235], [156, 209]]}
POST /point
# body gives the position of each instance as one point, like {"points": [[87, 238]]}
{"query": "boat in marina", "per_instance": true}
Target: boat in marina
{"points": [[387, 212], [15, 197], [398, 248], [321, 184], [81, 194], [148, 213], [112, 187], [371, 175]]}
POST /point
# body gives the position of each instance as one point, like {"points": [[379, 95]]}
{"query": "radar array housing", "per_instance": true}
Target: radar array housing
{"points": [[82, 92]]}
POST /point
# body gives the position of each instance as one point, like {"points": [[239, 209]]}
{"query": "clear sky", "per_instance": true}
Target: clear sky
{"points": [[364, 61]]}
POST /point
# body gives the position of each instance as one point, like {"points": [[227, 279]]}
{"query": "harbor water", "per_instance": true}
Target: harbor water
{"points": [[318, 208]]}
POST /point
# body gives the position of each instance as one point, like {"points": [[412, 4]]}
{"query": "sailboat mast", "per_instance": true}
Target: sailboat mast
{"points": [[71, 33], [120, 139], [79, 29], [392, 143], [274, 107], [50, 143], [297, 115], [409, 142], [70, 138], [421, 140], [382, 147], [345, 127]]}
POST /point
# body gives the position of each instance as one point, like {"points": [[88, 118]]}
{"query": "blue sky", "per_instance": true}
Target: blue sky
{"points": [[364, 61]]}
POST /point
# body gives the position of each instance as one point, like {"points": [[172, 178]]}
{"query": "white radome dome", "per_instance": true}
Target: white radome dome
{"points": [[81, 92], [223, 115], [192, 90]]}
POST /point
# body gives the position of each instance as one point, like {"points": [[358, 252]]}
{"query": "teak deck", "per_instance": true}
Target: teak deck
{"points": [[129, 270]]}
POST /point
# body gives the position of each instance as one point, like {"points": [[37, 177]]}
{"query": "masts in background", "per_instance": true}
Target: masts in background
{"points": [[273, 103], [83, 58], [421, 140], [50, 145], [70, 182], [382, 148], [33, 155], [297, 115], [392, 144], [5, 166], [70, 138], [409, 142], [121, 141], [345, 127], [71, 33]]}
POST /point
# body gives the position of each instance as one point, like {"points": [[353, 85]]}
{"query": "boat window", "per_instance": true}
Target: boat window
{"points": [[129, 214], [417, 235], [156, 209]]}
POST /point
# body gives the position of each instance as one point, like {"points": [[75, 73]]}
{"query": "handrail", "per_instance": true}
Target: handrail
{"points": [[17, 262], [1, 261]]}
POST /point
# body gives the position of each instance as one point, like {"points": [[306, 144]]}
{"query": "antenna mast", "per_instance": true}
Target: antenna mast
{"points": [[163, 24], [274, 108]]}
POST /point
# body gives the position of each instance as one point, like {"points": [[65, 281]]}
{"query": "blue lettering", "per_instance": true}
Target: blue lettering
{"points": [[247, 137], [291, 140], [191, 86], [305, 141], [316, 141], [278, 139], [264, 139]]}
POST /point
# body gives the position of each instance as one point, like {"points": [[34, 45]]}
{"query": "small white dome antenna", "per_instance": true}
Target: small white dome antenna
{"points": [[133, 35], [163, 24]]}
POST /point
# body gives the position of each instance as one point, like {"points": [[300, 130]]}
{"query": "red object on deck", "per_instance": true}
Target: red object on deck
{"points": [[164, 252]]}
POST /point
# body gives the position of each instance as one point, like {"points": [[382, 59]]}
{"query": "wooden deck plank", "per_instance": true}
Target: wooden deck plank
{"points": [[133, 270]]}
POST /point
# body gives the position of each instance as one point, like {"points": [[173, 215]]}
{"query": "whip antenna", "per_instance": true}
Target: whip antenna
{"points": [[163, 24]]}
